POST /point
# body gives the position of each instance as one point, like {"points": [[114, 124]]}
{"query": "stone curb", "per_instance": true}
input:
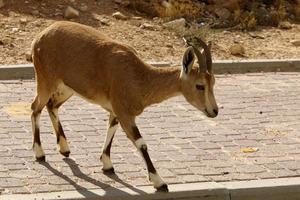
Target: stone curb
{"points": [[252, 66], [266, 189], [207, 191], [25, 71]]}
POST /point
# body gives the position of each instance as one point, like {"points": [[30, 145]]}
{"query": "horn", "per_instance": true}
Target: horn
{"points": [[201, 59], [207, 53]]}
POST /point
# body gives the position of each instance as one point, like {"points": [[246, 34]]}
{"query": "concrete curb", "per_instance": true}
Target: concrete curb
{"points": [[261, 65], [267, 189], [193, 191], [25, 71]]}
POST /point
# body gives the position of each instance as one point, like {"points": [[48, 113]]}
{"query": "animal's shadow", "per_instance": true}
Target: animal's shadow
{"points": [[109, 190]]}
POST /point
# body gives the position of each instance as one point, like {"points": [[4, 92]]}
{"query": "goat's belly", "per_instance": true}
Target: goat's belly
{"points": [[97, 99]]}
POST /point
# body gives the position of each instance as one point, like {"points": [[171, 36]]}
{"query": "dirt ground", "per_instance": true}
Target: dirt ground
{"points": [[21, 20]]}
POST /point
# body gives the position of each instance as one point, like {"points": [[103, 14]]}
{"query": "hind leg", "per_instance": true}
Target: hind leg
{"points": [[105, 157], [37, 107], [55, 101]]}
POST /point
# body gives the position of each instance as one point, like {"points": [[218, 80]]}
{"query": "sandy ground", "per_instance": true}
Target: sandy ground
{"points": [[20, 21]]}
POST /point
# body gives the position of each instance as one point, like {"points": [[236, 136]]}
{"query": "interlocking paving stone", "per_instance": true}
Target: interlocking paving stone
{"points": [[256, 110]]}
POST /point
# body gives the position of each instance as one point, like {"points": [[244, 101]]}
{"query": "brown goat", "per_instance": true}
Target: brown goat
{"points": [[70, 58]]}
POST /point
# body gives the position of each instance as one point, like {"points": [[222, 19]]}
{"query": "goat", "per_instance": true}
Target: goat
{"points": [[71, 58]]}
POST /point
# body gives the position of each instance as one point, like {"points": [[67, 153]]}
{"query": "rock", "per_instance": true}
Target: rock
{"points": [[23, 20], [136, 18], [71, 13], [137, 23], [2, 3], [119, 15], [104, 21], [237, 50], [148, 26], [15, 29], [223, 13], [177, 24], [285, 25], [237, 39], [83, 8], [296, 43], [122, 2], [256, 35], [101, 19], [125, 3]]}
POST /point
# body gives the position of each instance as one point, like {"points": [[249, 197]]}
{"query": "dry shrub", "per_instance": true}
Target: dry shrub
{"points": [[183, 8], [245, 14]]}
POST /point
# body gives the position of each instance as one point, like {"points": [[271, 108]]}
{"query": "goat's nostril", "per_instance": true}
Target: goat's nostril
{"points": [[216, 111]]}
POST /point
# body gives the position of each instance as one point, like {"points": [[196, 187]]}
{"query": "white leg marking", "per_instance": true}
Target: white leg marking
{"points": [[38, 150], [156, 180], [107, 164], [63, 145], [110, 133], [139, 143]]}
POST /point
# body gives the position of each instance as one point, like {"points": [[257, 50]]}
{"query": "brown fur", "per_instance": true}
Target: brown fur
{"points": [[105, 67]]}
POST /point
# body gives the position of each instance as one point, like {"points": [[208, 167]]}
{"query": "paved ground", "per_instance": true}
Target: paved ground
{"points": [[259, 111]]}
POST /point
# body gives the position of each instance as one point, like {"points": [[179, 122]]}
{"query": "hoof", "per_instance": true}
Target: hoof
{"points": [[41, 159], [65, 154], [162, 188], [109, 171]]}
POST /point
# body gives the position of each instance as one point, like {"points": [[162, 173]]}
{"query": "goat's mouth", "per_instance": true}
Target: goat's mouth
{"points": [[210, 115]]}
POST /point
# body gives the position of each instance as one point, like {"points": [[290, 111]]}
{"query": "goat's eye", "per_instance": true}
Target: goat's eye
{"points": [[200, 87]]}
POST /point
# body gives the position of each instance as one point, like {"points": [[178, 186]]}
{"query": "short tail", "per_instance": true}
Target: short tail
{"points": [[29, 57], [29, 54]]}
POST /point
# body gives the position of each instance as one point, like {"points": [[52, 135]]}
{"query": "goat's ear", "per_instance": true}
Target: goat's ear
{"points": [[188, 60]]}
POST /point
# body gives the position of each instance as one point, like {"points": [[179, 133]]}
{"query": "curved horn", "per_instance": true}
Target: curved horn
{"points": [[207, 53], [201, 59]]}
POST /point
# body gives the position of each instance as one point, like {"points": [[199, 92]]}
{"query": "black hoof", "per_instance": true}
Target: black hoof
{"points": [[109, 171], [65, 154], [41, 159], [162, 188]]}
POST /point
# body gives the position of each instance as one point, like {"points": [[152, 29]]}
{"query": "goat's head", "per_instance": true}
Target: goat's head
{"points": [[197, 84]]}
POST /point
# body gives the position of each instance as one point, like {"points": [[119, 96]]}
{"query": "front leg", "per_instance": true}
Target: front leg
{"points": [[134, 135]]}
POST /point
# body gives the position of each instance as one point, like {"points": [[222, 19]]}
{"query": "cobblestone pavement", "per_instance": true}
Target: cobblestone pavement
{"points": [[258, 111]]}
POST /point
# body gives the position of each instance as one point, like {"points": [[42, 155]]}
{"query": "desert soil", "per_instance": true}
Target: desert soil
{"points": [[20, 21]]}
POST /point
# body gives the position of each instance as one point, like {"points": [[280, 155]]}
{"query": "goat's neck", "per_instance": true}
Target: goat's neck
{"points": [[161, 84]]}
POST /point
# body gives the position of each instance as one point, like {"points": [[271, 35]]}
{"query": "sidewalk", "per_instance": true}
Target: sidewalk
{"points": [[260, 111]]}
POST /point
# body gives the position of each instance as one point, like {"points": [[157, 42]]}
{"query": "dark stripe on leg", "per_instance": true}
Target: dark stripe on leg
{"points": [[36, 138], [113, 122], [143, 150], [146, 156], [136, 133], [36, 135], [60, 132], [107, 150]]}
